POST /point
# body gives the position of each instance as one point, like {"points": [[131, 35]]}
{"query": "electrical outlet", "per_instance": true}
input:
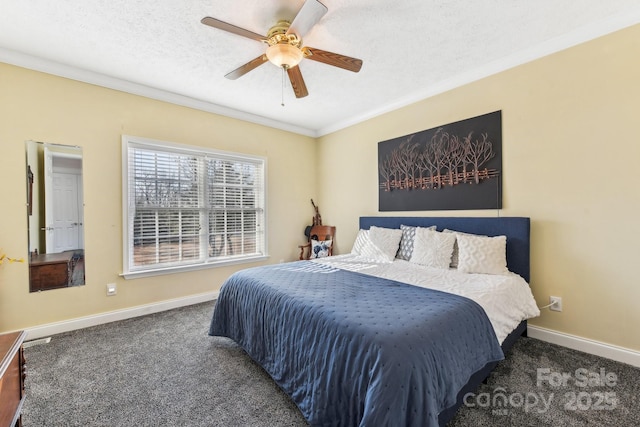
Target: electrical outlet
{"points": [[111, 289], [556, 303]]}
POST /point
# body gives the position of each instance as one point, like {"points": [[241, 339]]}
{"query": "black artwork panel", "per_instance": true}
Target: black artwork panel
{"points": [[451, 167]]}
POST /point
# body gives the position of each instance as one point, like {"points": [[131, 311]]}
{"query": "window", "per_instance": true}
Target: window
{"points": [[190, 207]]}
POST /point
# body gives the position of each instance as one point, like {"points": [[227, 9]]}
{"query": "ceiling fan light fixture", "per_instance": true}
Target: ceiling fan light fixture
{"points": [[284, 46], [284, 55]]}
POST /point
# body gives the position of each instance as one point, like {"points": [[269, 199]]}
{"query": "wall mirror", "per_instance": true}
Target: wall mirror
{"points": [[55, 209]]}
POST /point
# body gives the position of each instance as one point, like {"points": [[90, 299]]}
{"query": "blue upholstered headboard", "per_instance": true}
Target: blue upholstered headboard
{"points": [[517, 230]]}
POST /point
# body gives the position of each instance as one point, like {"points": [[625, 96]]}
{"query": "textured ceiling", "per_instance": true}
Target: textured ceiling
{"points": [[411, 49]]}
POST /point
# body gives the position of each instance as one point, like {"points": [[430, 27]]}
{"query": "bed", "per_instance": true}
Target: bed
{"points": [[353, 345]]}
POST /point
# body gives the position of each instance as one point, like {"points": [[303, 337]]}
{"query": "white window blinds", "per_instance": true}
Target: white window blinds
{"points": [[191, 207]]}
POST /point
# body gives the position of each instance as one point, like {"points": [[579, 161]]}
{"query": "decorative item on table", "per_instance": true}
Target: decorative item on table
{"points": [[4, 257], [316, 220]]}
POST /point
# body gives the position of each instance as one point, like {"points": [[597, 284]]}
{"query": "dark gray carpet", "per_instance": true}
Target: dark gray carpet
{"points": [[164, 370]]}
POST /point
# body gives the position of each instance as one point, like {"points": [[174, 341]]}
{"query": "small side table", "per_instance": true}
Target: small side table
{"points": [[12, 375]]}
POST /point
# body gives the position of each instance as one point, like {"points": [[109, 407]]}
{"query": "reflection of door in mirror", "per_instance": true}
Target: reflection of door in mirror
{"points": [[56, 232]]}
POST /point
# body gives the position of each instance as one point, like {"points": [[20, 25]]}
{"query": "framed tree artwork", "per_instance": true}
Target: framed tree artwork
{"points": [[450, 167]]}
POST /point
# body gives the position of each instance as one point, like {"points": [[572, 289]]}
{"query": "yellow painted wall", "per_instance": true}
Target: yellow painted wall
{"points": [[41, 107], [571, 156], [570, 161]]}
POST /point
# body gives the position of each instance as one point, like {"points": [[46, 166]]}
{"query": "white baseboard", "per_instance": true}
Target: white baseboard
{"points": [[609, 351], [41, 331]]}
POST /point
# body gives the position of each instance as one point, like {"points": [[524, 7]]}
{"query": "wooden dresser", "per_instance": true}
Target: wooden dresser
{"points": [[49, 271], [12, 375]]}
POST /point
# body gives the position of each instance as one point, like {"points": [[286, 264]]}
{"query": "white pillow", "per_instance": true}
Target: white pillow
{"points": [[482, 254], [406, 242], [362, 240], [386, 241], [363, 246], [454, 256], [432, 248], [377, 244]]}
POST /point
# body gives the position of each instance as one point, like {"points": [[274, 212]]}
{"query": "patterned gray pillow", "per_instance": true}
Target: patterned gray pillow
{"points": [[406, 242]]}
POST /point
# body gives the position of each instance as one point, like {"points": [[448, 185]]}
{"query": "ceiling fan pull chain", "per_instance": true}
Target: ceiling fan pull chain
{"points": [[282, 95]]}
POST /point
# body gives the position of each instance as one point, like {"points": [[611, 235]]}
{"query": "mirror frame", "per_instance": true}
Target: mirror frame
{"points": [[55, 225]]}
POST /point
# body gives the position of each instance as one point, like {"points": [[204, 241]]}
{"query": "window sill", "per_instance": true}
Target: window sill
{"points": [[186, 268]]}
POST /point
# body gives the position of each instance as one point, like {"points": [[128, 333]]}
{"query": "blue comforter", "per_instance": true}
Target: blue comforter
{"points": [[352, 349]]}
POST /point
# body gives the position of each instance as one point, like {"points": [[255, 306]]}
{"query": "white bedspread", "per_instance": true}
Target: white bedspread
{"points": [[506, 299]]}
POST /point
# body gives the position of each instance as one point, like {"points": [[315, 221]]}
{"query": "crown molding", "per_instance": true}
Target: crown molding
{"points": [[574, 38], [55, 68], [578, 36]]}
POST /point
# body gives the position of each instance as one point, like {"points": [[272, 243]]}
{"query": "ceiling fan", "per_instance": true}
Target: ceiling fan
{"points": [[284, 46]]}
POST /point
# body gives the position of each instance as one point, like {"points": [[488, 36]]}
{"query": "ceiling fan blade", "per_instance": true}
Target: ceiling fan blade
{"points": [[335, 59], [308, 16], [225, 26], [244, 69], [297, 82]]}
